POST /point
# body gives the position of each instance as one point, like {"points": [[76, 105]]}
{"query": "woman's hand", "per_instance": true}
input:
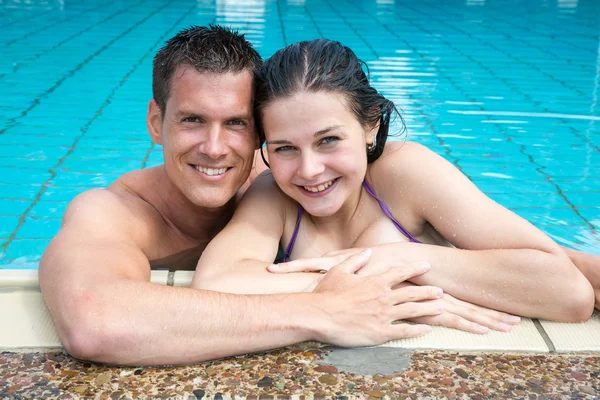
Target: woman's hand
{"points": [[457, 314], [462, 315], [362, 310]]}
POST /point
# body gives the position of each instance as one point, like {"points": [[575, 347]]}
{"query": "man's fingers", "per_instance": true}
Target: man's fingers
{"points": [[416, 293], [398, 275], [355, 262], [303, 265], [415, 310]]}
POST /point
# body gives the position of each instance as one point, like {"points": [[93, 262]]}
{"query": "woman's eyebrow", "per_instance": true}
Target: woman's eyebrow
{"points": [[316, 135], [327, 130], [280, 141]]}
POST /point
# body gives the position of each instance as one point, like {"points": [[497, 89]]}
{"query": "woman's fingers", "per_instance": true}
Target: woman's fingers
{"points": [[450, 320], [495, 315], [487, 317], [468, 317], [345, 252]]}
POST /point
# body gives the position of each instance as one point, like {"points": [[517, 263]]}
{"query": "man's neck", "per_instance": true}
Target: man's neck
{"points": [[191, 221]]}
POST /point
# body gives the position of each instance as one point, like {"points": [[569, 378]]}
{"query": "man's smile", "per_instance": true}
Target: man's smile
{"points": [[210, 171]]}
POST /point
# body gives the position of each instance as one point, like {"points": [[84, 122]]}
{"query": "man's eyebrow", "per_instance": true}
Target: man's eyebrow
{"points": [[240, 116], [185, 113]]}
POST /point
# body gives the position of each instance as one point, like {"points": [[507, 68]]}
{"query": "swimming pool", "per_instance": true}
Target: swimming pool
{"points": [[506, 90]]}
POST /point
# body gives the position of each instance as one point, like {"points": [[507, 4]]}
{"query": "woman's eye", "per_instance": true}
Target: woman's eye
{"points": [[330, 139], [284, 148]]}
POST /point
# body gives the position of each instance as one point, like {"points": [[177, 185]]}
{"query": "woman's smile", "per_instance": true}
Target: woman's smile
{"points": [[319, 190]]}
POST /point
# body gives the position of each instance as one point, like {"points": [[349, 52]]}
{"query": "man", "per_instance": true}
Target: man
{"points": [[95, 273]]}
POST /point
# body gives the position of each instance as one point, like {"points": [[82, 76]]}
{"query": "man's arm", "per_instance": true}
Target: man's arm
{"points": [[95, 280]]}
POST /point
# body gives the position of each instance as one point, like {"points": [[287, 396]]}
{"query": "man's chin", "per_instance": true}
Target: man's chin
{"points": [[211, 201]]}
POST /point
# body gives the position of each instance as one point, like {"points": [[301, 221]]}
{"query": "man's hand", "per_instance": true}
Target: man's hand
{"points": [[316, 264], [361, 309], [456, 313]]}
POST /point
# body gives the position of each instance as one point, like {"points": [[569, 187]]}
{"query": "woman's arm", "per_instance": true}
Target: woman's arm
{"points": [[501, 261], [236, 260]]}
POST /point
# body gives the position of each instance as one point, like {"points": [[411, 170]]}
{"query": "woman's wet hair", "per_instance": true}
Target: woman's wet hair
{"points": [[325, 65]]}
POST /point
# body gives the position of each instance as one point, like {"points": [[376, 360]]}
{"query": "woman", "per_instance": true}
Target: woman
{"points": [[335, 185]]}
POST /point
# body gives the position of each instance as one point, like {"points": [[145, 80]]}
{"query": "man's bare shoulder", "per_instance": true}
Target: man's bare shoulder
{"points": [[120, 210]]}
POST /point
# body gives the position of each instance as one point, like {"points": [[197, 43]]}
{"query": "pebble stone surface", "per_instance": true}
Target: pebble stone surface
{"points": [[299, 372]]}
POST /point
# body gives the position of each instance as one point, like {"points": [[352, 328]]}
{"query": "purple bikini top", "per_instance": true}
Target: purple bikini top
{"points": [[384, 208]]}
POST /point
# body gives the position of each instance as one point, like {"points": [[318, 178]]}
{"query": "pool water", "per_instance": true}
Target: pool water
{"points": [[506, 90]]}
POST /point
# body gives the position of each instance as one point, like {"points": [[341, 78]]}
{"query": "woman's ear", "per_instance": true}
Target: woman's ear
{"points": [[371, 134], [154, 122]]}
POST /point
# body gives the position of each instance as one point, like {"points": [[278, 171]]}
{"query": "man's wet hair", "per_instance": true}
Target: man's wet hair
{"points": [[213, 49], [325, 65]]}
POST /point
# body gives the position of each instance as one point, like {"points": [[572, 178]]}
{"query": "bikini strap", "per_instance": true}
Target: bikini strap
{"points": [[290, 247], [387, 212]]}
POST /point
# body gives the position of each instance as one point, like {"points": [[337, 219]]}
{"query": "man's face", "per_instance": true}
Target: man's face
{"points": [[208, 134]]}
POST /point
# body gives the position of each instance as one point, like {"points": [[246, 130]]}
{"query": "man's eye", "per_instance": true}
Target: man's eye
{"points": [[192, 120], [237, 122]]}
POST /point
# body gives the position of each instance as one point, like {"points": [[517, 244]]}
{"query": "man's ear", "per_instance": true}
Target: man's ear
{"points": [[257, 142], [154, 122]]}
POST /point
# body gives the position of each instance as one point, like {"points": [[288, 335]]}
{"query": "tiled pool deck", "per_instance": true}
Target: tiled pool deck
{"points": [[538, 358], [507, 91]]}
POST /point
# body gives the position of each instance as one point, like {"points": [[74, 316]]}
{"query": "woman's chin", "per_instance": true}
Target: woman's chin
{"points": [[319, 212]]}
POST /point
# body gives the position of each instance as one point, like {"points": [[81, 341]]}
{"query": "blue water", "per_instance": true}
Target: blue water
{"points": [[507, 90]]}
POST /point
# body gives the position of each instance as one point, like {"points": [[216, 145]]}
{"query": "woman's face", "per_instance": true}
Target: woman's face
{"points": [[317, 149]]}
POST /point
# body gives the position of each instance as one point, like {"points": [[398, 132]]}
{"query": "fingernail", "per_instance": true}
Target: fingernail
{"points": [[504, 327], [366, 252], [483, 329], [514, 319], [272, 267], [427, 329], [439, 308], [424, 265], [438, 292]]}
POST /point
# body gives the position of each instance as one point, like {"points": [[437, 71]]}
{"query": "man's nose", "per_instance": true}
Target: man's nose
{"points": [[311, 165], [214, 143]]}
